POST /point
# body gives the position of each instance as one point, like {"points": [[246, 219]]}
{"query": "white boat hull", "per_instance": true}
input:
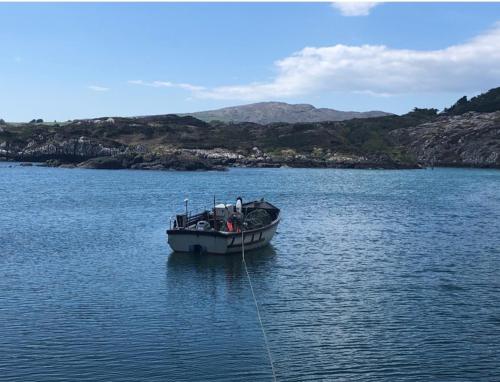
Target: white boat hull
{"points": [[220, 242]]}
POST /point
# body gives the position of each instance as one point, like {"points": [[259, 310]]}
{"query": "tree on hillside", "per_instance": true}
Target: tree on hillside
{"points": [[423, 112], [484, 103], [459, 107]]}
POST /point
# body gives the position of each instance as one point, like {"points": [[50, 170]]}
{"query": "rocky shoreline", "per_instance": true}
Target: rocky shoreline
{"points": [[198, 160], [417, 139]]}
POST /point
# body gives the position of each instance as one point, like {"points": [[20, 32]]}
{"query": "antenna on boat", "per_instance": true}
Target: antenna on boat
{"points": [[215, 221], [186, 203]]}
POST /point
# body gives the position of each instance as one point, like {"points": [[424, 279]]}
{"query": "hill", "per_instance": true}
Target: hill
{"points": [[271, 112]]}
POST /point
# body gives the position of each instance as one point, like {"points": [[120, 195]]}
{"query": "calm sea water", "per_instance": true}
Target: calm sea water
{"points": [[373, 276]]}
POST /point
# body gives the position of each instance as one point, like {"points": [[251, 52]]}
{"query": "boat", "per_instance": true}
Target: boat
{"points": [[225, 228]]}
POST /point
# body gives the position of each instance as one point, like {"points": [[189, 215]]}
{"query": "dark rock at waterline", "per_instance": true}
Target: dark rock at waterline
{"points": [[67, 165], [56, 163], [177, 162], [142, 162], [104, 163], [267, 165], [51, 163]]}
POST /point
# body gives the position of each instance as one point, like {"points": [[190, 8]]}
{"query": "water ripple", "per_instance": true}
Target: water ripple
{"points": [[373, 276]]}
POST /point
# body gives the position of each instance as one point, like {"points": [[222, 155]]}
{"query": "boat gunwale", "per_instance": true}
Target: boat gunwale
{"points": [[220, 233]]}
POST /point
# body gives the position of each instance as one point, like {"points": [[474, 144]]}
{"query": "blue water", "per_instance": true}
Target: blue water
{"points": [[373, 276]]}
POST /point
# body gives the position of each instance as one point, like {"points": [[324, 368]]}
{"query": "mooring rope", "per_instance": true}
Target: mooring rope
{"points": [[257, 306]]}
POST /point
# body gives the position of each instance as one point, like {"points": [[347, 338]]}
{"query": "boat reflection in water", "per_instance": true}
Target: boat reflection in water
{"points": [[259, 261], [209, 300]]}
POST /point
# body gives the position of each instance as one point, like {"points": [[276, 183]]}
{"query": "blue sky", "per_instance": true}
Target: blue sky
{"points": [[66, 61]]}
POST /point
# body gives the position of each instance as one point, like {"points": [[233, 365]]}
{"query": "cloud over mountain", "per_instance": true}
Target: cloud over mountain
{"points": [[372, 69]]}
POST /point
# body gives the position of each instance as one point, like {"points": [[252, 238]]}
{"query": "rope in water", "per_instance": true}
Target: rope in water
{"points": [[257, 307]]}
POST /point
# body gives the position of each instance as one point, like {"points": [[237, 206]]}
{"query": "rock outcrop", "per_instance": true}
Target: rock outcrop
{"points": [[87, 152], [75, 149], [471, 140]]}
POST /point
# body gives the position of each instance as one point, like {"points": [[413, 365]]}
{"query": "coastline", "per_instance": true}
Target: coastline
{"points": [[17, 163], [418, 139], [187, 161]]}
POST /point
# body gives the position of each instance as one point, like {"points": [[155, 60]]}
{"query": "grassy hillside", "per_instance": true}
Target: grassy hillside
{"points": [[357, 136]]}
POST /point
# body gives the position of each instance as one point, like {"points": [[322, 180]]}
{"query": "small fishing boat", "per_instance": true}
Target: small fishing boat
{"points": [[223, 229]]}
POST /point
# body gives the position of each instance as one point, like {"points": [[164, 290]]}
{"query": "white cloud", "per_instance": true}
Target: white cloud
{"points": [[167, 84], [97, 88], [370, 69], [354, 8]]}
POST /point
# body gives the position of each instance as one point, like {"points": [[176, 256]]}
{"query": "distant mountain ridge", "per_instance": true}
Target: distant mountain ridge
{"points": [[271, 112]]}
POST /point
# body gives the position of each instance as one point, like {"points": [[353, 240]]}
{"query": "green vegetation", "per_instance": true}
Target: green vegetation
{"points": [[485, 103], [357, 136]]}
